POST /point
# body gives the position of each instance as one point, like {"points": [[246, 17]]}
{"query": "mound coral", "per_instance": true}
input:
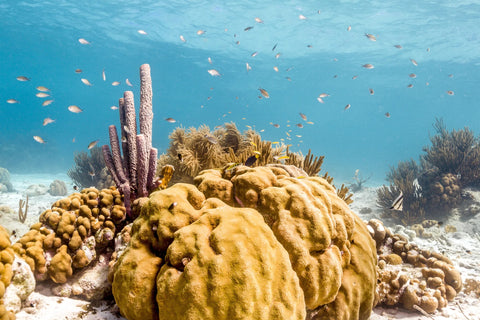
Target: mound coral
{"points": [[6, 260], [5, 184], [179, 245], [70, 234], [411, 277], [58, 188], [90, 171]]}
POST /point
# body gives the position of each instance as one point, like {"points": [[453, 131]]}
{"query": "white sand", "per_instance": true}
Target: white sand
{"points": [[454, 245]]}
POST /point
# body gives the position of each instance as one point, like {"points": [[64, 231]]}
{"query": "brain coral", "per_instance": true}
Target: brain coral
{"points": [[194, 259], [215, 258]]}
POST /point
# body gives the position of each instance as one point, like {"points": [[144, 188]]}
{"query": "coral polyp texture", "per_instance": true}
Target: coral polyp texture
{"points": [[260, 232], [70, 234], [6, 259], [411, 277]]}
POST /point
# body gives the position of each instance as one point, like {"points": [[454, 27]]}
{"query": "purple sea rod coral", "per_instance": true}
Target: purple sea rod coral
{"points": [[134, 173]]}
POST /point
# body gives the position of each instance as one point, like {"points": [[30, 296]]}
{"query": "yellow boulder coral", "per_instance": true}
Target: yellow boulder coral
{"points": [[219, 263], [329, 246]]}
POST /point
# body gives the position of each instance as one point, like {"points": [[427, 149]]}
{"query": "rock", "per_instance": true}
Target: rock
{"points": [[58, 188], [22, 285], [36, 190], [5, 184]]}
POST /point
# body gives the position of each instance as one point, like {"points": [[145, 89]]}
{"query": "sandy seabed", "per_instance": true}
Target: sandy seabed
{"points": [[462, 247]]}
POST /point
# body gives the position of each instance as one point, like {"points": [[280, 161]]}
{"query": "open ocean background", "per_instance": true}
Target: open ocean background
{"points": [[39, 40]]}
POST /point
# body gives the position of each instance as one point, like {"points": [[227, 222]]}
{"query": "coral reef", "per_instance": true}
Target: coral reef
{"points": [[90, 171], [425, 281], [403, 180], [442, 192], [71, 234], [134, 173], [6, 259], [21, 286], [57, 188], [5, 184], [328, 247]]}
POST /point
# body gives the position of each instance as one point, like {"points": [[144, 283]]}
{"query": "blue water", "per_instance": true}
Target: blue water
{"points": [[39, 39]]}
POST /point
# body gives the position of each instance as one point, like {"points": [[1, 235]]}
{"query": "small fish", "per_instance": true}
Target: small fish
{"points": [[179, 155], [127, 131], [248, 67], [289, 68], [288, 78], [11, 101], [304, 117], [171, 120], [264, 93], [214, 73], [274, 47], [398, 46], [276, 125], [288, 134], [114, 107], [200, 32], [347, 107], [83, 41], [412, 75], [210, 139], [309, 46], [85, 81], [309, 122], [323, 95], [320, 100], [368, 66], [253, 143], [387, 114], [281, 158], [428, 49], [73, 140], [450, 75], [38, 139], [258, 20], [46, 103], [450, 92], [115, 83], [42, 95], [278, 55], [248, 28], [275, 68], [182, 38], [349, 28], [299, 135], [354, 77], [398, 202], [141, 32], [75, 188], [91, 174], [42, 88], [92, 144], [371, 91], [23, 78], [78, 70], [254, 54], [233, 165], [173, 205], [74, 109], [414, 62], [410, 86], [251, 160], [302, 17], [209, 60], [104, 77], [370, 36], [47, 121], [299, 125], [128, 83]]}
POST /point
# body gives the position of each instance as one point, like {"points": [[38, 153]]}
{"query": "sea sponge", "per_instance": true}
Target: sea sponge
{"points": [[425, 279], [6, 260], [329, 246], [64, 238], [225, 259]]}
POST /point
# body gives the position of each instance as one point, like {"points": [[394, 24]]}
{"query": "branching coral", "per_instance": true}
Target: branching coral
{"points": [[403, 180], [88, 169]]}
